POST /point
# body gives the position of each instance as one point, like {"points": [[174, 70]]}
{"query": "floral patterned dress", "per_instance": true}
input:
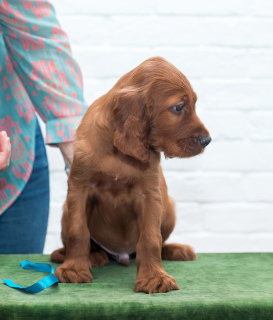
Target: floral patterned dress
{"points": [[37, 74]]}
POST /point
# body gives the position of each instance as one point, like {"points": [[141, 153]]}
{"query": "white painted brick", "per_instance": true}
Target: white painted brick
{"points": [[188, 217], [262, 123], [228, 155], [259, 187], [184, 165], [95, 88], [106, 7], [239, 156], [53, 238], [175, 31], [238, 217], [204, 242], [173, 7], [261, 7], [58, 187], [220, 123], [90, 30], [53, 242], [220, 62], [55, 217], [204, 187], [106, 62], [55, 159], [202, 8], [233, 94]]}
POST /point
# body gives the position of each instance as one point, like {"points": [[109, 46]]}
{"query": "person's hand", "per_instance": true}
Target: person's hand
{"points": [[67, 152], [4, 150]]}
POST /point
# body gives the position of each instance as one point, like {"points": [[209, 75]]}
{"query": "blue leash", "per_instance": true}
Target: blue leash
{"points": [[40, 285]]}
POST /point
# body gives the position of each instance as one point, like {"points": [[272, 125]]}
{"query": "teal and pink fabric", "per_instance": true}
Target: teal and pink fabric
{"points": [[37, 74]]}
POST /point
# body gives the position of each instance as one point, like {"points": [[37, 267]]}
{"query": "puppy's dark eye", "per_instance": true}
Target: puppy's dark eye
{"points": [[178, 108]]}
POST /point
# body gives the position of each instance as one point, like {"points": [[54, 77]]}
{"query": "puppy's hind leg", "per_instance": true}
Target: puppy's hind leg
{"points": [[177, 252], [58, 255], [97, 258]]}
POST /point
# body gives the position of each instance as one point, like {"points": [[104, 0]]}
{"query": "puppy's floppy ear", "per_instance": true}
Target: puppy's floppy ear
{"points": [[131, 124]]}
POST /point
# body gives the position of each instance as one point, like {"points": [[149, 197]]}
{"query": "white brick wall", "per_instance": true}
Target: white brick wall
{"points": [[225, 197]]}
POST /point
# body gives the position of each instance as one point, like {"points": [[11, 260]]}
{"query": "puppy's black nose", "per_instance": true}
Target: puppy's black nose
{"points": [[204, 141]]}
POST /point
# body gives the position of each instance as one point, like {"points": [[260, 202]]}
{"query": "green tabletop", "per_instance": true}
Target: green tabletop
{"points": [[216, 286]]}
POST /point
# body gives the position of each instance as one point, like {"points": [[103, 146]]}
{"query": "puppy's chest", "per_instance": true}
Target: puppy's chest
{"points": [[101, 183]]}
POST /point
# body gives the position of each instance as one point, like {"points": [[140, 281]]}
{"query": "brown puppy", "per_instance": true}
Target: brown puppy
{"points": [[117, 195]]}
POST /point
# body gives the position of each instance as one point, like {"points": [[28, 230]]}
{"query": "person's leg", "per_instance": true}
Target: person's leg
{"points": [[23, 226]]}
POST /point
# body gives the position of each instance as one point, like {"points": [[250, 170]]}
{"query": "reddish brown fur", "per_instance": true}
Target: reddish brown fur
{"points": [[116, 189]]}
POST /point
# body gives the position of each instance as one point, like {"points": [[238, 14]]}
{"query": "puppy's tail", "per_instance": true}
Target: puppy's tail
{"points": [[58, 255]]}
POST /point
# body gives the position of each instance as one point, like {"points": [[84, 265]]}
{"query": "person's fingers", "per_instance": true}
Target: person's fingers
{"points": [[3, 136], [67, 149], [4, 150]]}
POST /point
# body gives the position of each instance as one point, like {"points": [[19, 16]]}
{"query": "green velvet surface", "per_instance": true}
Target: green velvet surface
{"points": [[216, 286]]}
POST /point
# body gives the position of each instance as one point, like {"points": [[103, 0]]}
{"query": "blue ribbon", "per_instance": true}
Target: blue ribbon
{"points": [[40, 285]]}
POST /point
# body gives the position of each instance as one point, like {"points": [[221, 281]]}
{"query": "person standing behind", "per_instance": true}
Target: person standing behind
{"points": [[38, 75]]}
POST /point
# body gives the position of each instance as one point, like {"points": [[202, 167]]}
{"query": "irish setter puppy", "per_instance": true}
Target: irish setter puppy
{"points": [[117, 199]]}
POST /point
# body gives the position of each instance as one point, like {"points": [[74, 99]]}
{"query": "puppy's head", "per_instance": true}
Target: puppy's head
{"points": [[154, 108]]}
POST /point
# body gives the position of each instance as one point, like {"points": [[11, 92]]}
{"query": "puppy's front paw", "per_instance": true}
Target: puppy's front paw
{"points": [[155, 284], [74, 272]]}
